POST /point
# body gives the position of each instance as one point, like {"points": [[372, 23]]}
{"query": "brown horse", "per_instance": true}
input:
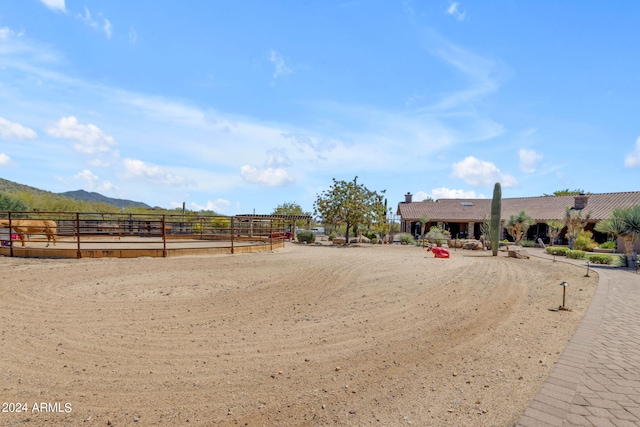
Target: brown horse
{"points": [[31, 226]]}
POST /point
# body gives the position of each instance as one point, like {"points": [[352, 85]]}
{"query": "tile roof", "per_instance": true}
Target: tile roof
{"points": [[541, 208]]}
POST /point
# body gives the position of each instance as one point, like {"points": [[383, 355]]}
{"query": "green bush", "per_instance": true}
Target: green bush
{"points": [[527, 243], [437, 235], [619, 260], [559, 250], [584, 241], [576, 254], [405, 238], [600, 259], [608, 245], [307, 236], [333, 235]]}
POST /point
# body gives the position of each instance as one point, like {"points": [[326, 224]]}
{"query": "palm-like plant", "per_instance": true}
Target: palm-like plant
{"points": [[575, 223], [555, 227], [624, 223], [424, 219], [518, 225]]}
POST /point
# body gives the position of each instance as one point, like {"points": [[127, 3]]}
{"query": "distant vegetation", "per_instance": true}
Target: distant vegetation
{"points": [[567, 192], [20, 197]]}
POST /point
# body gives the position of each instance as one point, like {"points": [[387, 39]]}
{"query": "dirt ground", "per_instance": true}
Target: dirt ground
{"points": [[302, 336]]}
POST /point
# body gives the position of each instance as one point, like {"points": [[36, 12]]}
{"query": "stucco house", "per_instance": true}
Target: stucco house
{"points": [[463, 217]]}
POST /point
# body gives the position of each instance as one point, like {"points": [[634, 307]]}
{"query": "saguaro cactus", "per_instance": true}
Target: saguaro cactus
{"points": [[496, 208]]}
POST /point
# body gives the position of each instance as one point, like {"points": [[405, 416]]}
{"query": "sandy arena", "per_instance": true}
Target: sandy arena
{"points": [[373, 335]]}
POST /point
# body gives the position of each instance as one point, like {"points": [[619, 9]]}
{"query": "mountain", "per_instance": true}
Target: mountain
{"points": [[7, 186], [13, 187], [97, 197]]}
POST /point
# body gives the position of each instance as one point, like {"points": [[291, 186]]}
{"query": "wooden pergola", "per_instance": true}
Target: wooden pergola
{"points": [[293, 218]]}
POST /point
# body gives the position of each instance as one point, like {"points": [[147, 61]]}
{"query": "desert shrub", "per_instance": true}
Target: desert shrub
{"points": [[437, 235], [333, 235], [576, 254], [600, 258], [608, 245], [619, 260], [584, 241], [307, 236], [370, 234], [527, 243], [405, 238], [559, 250]]}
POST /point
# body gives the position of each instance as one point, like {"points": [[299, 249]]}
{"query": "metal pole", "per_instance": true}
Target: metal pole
{"points": [[164, 237], [232, 233], [10, 237], [78, 252]]}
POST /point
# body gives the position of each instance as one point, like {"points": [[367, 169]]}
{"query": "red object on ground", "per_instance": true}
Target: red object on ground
{"points": [[439, 252]]}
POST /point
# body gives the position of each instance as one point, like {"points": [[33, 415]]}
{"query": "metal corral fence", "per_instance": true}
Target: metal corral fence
{"points": [[95, 235]]}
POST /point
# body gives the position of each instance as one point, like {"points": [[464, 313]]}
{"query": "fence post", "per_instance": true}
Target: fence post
{"points": [[232, 233], [78, 252], [164, 236], [10, 236]]}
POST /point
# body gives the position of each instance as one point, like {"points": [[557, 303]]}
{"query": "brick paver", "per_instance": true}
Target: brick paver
{"points": [[597, 379]]}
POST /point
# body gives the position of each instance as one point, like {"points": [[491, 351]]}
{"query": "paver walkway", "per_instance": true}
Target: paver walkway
{"points": [[596, 382]]}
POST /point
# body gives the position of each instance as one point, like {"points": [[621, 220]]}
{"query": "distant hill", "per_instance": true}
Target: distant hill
{"points": [[99, 198], [13, 187]]}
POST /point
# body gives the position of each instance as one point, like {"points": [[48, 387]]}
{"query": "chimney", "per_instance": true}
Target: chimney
{"points": [[408, 197], [580, 202]]}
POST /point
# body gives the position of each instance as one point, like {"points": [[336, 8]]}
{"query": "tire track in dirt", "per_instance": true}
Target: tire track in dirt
{"points": [[301, 336]]}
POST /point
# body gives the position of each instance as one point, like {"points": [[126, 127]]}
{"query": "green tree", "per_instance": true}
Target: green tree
{"points": [[351, 204], [554, 228], [291, 208], [518, 225], [567, 192], [575, 223], [8, 203], [624, 223]]}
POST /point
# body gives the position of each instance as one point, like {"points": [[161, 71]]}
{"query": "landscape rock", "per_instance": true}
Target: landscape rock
{"points": [[472, 244], [518, 253]]}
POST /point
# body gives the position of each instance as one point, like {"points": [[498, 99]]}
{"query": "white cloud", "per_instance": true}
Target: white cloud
{"points": [[633, 159], [15, 131], [107, 27], [478, 172], [92, 181], [218, 205], [480, 71], [99, 163], [5, 32], [454, 11], [54, 4], [420, 196], [89, 138], [152, 173], [4, 159], [528, 160], [133, 35], [277, 158], [88, 19], [447, 193], [316, 144], [271, 177], [281, 68]]}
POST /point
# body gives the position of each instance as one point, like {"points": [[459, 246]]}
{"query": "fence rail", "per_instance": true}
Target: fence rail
{"points": [[55, 234]]}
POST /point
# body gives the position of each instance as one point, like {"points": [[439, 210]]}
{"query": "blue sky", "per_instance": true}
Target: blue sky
{"points": [[239, 106]]}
